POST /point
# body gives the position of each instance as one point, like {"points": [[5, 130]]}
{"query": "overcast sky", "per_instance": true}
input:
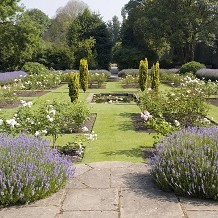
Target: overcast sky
{"points": [[107, 8]]}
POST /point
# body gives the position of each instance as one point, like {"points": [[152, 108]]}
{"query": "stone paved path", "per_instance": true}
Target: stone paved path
{"points": [[113, 190]]}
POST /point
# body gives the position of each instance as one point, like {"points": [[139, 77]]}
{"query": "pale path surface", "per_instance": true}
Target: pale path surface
{"points": [[113, 190]]}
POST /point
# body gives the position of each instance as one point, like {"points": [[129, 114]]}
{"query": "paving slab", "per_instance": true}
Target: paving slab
{"points": [[91, 199], [76, 184], [29, 212], [122, 177], [199, 204], [96, 178], [81, 168], [113, 190], [53, 200], [109, 164], [89, 214], [137, 204], [202, 214]]}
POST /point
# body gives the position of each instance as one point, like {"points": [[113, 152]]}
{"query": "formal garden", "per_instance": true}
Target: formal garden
{"points": [[51, 119], [63, 102]]}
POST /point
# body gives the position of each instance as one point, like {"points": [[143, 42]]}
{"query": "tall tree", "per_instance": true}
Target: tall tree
{"points": [[87, 27], [57, 32], [114, 29], [40, 18], [169, 28], [18, 42], [8, 9]]}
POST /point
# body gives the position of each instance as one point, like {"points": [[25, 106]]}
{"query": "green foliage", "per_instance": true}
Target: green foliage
{"points": [[34, 68], [97, 78], [60, 24], [8, 9], [18, 41], [89, 37], [186, 163], [126, 57], [73, 84], [192, 66], [114, 29], [57, 56], [170, 77], [30, 169], [143, 74], [50, 118], [187, 108], [84, 49], [40, 81], [8, 94], [130, 81], [155, 78], [152, 76], [40, 19], [160, 29], [84, 74], [126, 72]]}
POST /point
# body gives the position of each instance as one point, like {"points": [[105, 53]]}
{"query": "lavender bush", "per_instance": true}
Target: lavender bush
{"points": [[187, 163], [207, 74], [30, 169], [10, 76]]}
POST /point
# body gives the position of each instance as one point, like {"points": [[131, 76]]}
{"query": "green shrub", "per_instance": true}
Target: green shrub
{"points": [[186, 162], [83, 74], [30, 169], [41, 81], [105, 72], [192, 66], [73, 84], [143, 74], [130, 80], [52, 119], [207, 74], [97, 78], [34, 68], [155, 77], [171, 77], [125, 72]]}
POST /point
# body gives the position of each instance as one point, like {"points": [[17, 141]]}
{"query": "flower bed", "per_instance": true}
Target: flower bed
{"points": [[187, 162], [112, 98], [30, 169]]}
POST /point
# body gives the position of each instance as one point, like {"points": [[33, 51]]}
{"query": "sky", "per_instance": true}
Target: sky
{"points": [[107, 8]]}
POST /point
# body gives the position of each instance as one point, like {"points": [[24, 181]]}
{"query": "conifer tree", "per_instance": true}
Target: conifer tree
{"points": [[73, 84], [83, 74], [143, 74]]}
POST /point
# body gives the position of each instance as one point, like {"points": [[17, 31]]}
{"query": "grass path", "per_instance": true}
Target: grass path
{"points": [[117, 139]]}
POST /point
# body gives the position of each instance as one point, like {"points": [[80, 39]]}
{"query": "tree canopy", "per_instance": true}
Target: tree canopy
{"points": [[172, 32]]}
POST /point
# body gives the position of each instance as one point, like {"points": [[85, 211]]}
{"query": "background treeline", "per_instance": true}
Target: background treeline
{"points": [[172, 32]]}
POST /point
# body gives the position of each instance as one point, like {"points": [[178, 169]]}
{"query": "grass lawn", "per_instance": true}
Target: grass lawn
{"points": [[117, 139]]}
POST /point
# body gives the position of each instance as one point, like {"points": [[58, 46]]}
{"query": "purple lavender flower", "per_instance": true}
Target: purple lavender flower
{"points": [[187, 162], [10, 76], [30, 169]]}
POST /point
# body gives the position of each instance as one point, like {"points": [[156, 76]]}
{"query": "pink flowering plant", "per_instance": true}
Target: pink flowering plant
{"points": [[178, 108]]}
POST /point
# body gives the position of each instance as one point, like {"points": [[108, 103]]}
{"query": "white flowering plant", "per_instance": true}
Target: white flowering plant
{"points": [[50, 118], [40, 81], [8, 93], [181, 107], [97, 78]]}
